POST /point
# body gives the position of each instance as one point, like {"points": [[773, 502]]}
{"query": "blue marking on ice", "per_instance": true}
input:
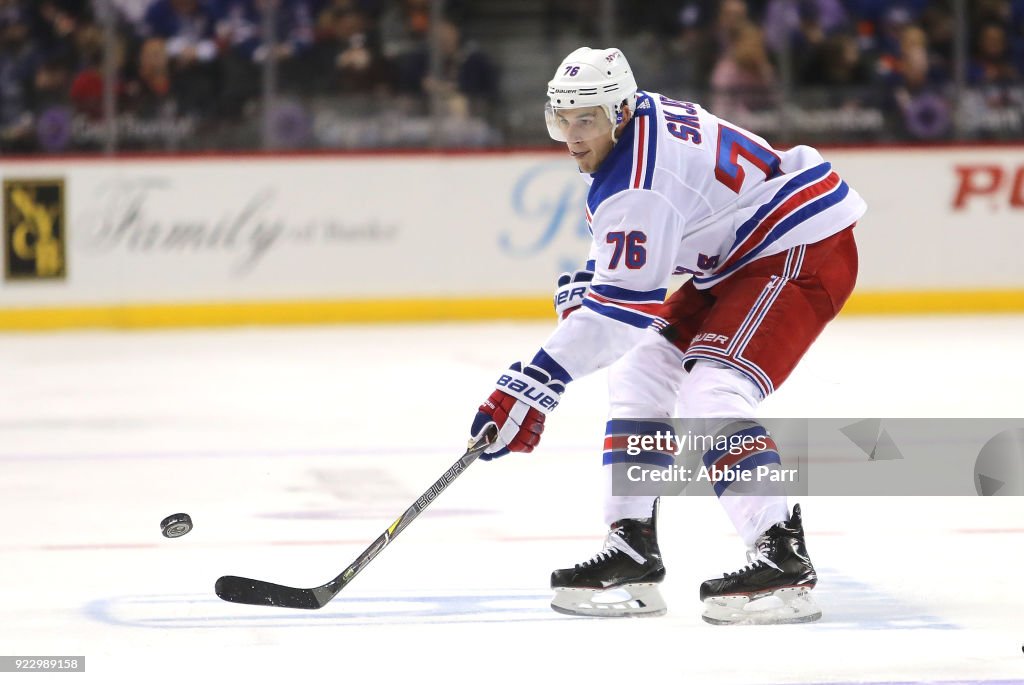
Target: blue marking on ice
{"points": [[195, 611], [847, 603], [919, 682]]}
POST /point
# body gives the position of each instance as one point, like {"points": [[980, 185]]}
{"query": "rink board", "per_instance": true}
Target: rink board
{"points": [[149, 241]]}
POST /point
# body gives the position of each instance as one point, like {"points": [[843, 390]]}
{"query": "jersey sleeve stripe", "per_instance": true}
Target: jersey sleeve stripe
{"points": [[807, 211], [764, 229], [625, 295], [652, 155], [839, 191], [627, 165], [622, 314], [651, 308], [794, 185], [645, 151], [819, 197], [640, 152], [544, 361]]}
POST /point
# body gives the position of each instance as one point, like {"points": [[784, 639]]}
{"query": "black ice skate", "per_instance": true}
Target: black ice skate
{"points": [[620, 580], [779, 568]]}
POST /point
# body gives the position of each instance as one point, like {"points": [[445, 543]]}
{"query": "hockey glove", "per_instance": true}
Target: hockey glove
{"points": [[517, 407], [572, 289]]}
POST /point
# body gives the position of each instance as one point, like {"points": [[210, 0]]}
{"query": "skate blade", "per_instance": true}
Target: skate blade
{"points": [[796, 606], [633, 600]]}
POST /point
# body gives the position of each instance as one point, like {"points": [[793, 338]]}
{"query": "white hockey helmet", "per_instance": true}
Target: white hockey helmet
{"points": [[590, 78]]}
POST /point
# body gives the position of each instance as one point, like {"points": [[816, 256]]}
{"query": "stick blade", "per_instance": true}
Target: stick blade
{"points": [[261, 593]]}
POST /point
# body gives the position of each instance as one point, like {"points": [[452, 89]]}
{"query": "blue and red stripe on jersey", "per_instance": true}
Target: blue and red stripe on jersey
{"points": [[644, 154], [806, 195], [631, 162], [639, 308], [630, 297]]}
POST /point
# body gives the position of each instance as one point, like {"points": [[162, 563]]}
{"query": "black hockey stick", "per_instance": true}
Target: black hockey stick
{"points": [[262, 593]]}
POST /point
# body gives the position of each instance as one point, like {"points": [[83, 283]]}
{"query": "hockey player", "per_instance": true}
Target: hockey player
{"points": [[768, 238]]}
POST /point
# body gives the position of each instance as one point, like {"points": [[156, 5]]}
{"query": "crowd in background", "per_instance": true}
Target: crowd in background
{"points": [[890, 53], [205, 59], [735, 43]]}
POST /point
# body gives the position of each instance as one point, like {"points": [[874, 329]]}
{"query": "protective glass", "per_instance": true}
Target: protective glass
{"points": [[577, 124]]}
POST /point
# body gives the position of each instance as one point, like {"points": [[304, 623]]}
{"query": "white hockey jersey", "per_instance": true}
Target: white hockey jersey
{"points": [[683, 191]]}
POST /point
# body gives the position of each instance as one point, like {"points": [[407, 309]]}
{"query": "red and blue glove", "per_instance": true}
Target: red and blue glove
{"points": [[571, 290], [517, 407]]}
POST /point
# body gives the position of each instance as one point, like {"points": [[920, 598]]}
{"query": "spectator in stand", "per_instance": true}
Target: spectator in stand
{"points": [[348, 57], [992, 63], [837, 61], [911, 63], [891, 29], [468, 80], [87, 85], [917, 88], [1017, 35], [240, 28], [18, 60], [187, 27], [990, 11], [744, 79], [987, 66], [324, 12], [51, 83], [403, 33], [804, 23], [939, 25], [996, 97], [733, 17], [875, 11], [149, 95], [693, 52], [54, 23], [245, 48], [132, 12]]}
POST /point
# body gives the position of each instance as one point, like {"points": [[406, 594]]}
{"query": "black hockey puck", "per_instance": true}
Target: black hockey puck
{"points": [[176, 525]]}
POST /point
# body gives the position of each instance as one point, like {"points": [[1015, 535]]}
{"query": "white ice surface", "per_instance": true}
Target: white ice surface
{"points": [[292, 449]]}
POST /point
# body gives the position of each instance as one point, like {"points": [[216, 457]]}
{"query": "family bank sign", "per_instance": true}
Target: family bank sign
{"points": [[477, 235], [347, 227], [547, 201]]}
